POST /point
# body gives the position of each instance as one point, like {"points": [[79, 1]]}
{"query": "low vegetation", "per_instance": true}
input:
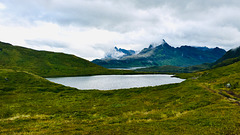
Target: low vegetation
{"points": [[200, 105], [206, 103]]}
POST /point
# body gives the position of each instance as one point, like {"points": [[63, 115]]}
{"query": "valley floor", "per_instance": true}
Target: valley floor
{"points": [[202, 104]]}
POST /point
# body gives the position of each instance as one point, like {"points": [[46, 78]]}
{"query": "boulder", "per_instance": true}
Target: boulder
{"points": [[228, 85]]}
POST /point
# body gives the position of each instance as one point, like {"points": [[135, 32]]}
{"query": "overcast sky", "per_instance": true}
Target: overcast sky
{"points": [[88, 28]]}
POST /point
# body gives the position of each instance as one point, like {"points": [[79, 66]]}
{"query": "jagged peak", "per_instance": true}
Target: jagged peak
{"points": [[151, 46], [164, 41], [117, 53], [154, 44], [116, 48], [164, 44]]}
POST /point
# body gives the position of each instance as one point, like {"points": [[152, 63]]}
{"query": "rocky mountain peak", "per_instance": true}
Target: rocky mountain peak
{"points": [[158, 54], [117, 53]]}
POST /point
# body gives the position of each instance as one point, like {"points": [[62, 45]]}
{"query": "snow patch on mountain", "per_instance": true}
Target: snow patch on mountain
{"points": [[154, 44], [117, 53]]}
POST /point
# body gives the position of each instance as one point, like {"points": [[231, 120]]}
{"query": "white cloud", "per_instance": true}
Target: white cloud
{"points": [[90, 28], [2, 6], [50, 36]]}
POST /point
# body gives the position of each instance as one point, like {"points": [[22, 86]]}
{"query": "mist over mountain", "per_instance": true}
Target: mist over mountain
{"points": [[233, 53], [163, 54], [117, 53]]}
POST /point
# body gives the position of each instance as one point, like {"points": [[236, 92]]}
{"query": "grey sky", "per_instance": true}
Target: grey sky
{"points": [[88, 28]]}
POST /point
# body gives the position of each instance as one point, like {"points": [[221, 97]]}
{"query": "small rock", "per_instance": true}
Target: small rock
{"points": [[228, 85], [194, 78]]}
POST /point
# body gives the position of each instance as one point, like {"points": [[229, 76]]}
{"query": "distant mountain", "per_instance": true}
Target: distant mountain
{"points": [[164, 54], [118, 53], [175, 69], [47, 64]]}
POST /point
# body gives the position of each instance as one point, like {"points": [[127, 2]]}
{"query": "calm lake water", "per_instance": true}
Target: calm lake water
{"points": [[110, 82]]}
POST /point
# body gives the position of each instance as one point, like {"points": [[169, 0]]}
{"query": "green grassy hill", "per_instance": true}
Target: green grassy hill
{"points": [[48, 64], [226, 62], [200, 105], [233, 53], [230, 57]]}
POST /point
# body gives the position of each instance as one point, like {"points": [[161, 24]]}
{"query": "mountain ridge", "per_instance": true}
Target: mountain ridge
{"points": [[232, 53], [164, 54]]}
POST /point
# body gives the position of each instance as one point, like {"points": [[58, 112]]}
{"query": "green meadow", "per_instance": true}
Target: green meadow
{"points": [[200, 105], [206, 103]]}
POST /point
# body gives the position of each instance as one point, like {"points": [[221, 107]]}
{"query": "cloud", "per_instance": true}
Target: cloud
{"points": [[83, 26], [2, 6], [51, 43], [53, 37]]}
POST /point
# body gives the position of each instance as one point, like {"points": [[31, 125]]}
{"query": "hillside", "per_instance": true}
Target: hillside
{"points": [[233, 53], [222, 80], [200, 105], [164, 54], [48, 64], [230, 57]]}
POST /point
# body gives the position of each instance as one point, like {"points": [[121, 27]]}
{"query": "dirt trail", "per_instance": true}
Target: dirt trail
{"points": [[221, 92]]}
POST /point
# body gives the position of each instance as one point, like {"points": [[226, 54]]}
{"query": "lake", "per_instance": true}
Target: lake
{"points": [[111, 82]]}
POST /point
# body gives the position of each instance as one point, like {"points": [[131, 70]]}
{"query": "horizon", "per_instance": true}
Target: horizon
{"points": [[80, 27], [137, 51]]}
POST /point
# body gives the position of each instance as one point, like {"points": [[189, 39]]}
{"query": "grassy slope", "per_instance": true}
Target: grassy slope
{"points": [[226, 62], [233, 53], [48, 64], [200, 105]]}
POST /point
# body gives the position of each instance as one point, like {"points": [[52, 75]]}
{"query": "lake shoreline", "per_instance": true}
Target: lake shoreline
{"points": [[114, 82]]}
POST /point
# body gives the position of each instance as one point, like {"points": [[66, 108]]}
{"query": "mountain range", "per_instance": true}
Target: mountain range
{"points": [[230, 57], [164, 54]]}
